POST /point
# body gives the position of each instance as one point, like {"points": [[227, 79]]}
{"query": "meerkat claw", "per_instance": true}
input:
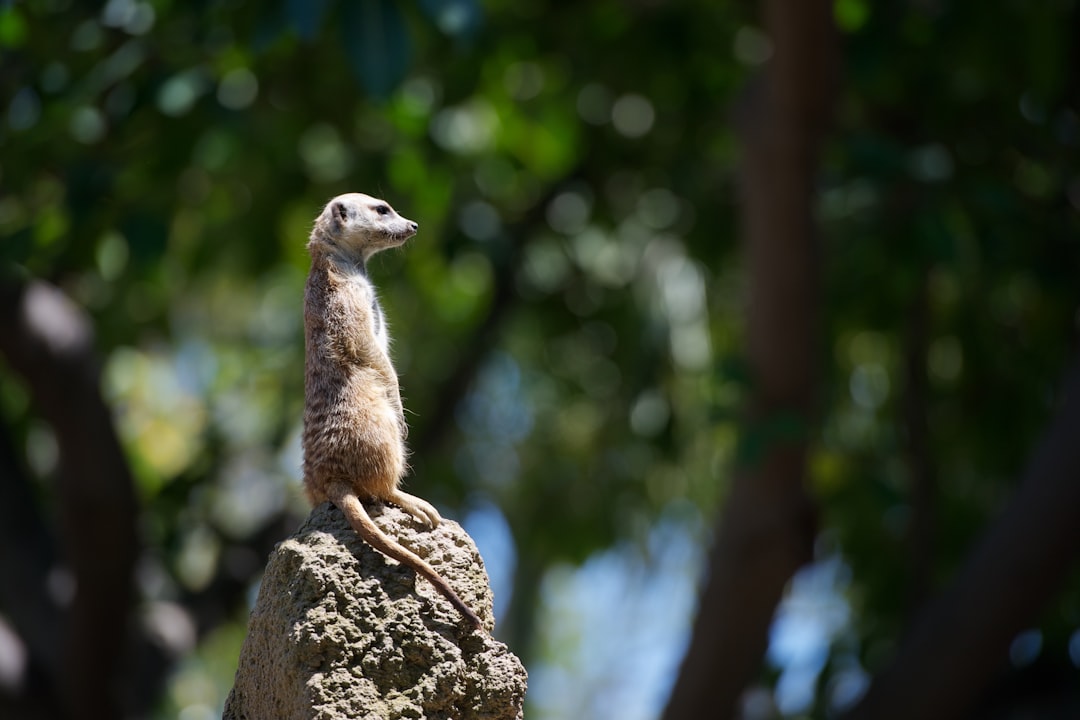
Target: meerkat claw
{"points": [[422, 510]]}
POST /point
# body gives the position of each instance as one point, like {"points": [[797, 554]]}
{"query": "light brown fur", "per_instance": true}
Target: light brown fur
{"points": [[354, 423]]}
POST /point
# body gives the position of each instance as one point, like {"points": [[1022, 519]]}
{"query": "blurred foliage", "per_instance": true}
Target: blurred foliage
{"points": [[573, 171]]}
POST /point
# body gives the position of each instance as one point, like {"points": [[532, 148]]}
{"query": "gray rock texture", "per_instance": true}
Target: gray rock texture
{"points": [[341, 631]]}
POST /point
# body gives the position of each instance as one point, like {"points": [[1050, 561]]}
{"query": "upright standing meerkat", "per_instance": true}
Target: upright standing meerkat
{"points": [[354, 423]]}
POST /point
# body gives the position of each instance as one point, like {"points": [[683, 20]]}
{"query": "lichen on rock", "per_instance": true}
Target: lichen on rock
{"points": [[341, 631]]}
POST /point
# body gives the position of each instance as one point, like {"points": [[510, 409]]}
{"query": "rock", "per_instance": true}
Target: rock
{"points": [[341, 631]]}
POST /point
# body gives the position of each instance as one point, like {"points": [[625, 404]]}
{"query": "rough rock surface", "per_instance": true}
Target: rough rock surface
{"points": [[341, 631]]}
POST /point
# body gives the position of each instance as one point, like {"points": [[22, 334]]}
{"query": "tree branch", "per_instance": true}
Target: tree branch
{"points": [[961, 641], [49, 341]]}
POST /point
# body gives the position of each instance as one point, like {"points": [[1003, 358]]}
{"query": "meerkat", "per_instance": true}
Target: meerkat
{"points": [[354, 422]]}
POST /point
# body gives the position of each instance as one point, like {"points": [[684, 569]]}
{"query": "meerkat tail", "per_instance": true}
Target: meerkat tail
{"points": [[346, 500]]}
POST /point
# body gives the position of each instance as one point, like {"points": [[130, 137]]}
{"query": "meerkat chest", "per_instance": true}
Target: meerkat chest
{"points": [[366, 309]]}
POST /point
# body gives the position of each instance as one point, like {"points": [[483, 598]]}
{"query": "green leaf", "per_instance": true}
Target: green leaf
{"points": [[851, 14], [12, 28]]}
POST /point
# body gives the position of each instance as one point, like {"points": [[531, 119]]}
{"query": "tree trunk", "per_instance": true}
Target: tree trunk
{"points": [[766, 528]]}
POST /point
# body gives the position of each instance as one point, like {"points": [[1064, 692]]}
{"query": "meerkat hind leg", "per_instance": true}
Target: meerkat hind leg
{"points": [[422, 510]]}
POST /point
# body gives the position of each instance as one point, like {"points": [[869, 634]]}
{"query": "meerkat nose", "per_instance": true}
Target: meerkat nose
{"points": [[414, 226]]}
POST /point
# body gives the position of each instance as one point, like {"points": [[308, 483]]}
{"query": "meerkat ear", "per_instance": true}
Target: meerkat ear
{"points": [[339, 212]]}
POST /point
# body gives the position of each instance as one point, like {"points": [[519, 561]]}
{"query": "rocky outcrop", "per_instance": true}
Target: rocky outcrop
{"points": [[341, 631]]}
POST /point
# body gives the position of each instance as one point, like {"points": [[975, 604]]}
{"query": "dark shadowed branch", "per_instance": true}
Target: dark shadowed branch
{"points": [[49, 342], [26, 556], [961, 640], [922, 472]]}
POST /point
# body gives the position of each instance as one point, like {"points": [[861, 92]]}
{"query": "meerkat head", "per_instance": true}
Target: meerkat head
{"points": [[360, 226]]}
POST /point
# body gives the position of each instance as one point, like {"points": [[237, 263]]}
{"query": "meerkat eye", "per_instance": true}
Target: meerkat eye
{"points": [[382, 209]]}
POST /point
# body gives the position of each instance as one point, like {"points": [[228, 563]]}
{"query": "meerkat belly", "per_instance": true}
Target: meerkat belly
{"points": [[358, 439]]}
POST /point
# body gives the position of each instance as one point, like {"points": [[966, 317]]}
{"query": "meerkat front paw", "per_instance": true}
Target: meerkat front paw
{"points": [[422, 510]]}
